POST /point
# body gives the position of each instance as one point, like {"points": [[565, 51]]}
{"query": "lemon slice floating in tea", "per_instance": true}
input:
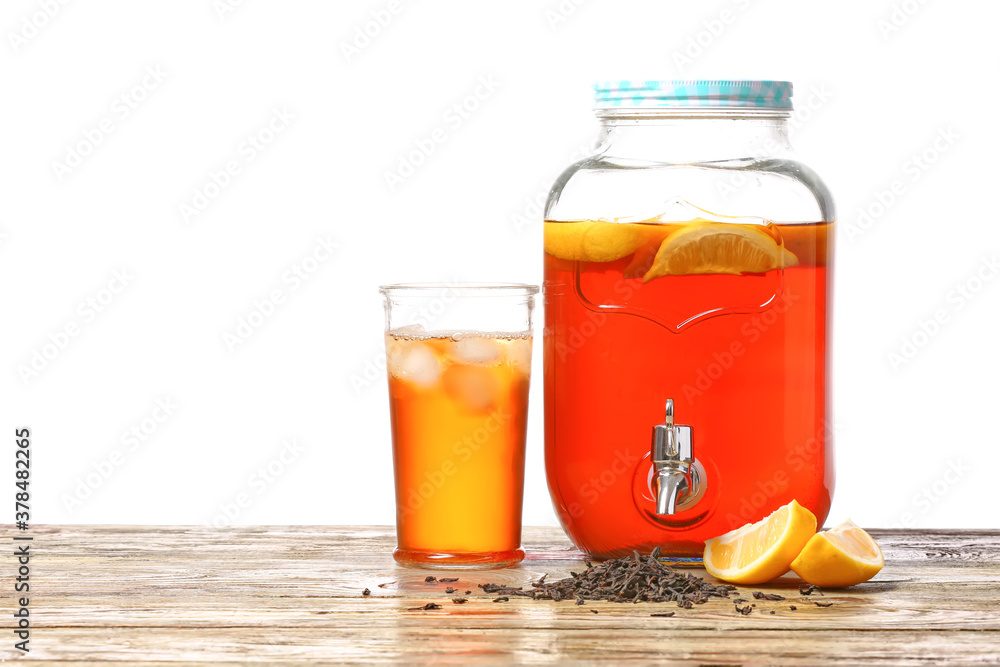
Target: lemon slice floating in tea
{"points": [[593, 241], [839, 557], [716, 247]]}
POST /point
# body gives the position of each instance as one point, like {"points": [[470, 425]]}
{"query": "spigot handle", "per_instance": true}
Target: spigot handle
{"points": [[671, 444], [663, 436]]}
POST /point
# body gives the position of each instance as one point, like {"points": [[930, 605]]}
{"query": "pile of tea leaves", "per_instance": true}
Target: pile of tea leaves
{"points": [[632, 578]]}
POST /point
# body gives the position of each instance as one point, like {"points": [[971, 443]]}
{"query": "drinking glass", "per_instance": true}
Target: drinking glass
{"points": [[458, 357]]}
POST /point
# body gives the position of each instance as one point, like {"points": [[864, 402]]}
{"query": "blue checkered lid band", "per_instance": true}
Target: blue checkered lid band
{"points": [[659, 94]]}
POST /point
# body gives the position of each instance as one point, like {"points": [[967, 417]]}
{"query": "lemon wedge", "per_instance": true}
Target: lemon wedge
{"points": [[593, 241], [718, 247], [759, 552], [839, 557]]}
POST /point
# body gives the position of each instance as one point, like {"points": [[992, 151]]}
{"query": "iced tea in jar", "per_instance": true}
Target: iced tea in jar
{"points": [[687, 320]]}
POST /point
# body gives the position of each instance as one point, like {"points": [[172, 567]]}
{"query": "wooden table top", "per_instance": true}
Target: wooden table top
{"points": [[293, 595]]}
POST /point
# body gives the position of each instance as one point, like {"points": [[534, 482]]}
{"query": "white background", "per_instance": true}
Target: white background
{"points": [[466, 213]]}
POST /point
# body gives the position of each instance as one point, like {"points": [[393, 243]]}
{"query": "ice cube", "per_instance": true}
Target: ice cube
{"points": [[676, 209], [414, 362], [518, 353], [476, 350], [475, 387]]}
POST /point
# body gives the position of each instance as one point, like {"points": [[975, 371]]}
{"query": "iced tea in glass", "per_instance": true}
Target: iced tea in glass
{"points": [[458, 359]]}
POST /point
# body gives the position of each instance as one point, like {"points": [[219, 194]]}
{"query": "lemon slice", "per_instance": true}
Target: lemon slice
{"points": [[718, 247], [759, 552], [593, 241], [839, 557]]}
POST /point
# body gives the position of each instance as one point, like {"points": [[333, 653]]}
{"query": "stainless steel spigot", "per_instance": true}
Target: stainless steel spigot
{"points": [[677, 475]]}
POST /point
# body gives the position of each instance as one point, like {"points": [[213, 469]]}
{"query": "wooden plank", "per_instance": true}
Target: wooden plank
{"points": [[284, 595], [481, 612], [651, 643]]}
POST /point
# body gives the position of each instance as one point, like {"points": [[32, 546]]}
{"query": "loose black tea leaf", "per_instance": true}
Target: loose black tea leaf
{"points": [[448, 580], [792, 607], [468, 592], [744, 610], [767, 596], [459, 600], [663, 614], [772, 611], [430, 580], [426, 607], [580, 601], [594, 611], [822, 604], [502, 598], [809, 589], [739, 601], [450, 589], [366, 592], [632, 578]]}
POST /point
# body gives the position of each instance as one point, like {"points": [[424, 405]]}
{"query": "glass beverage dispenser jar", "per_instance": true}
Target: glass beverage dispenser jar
{"points": [[687, 320]]}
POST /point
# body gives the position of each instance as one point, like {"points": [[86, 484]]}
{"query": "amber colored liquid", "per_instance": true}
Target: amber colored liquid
{"points": [[459, 410], [745, 359]]}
